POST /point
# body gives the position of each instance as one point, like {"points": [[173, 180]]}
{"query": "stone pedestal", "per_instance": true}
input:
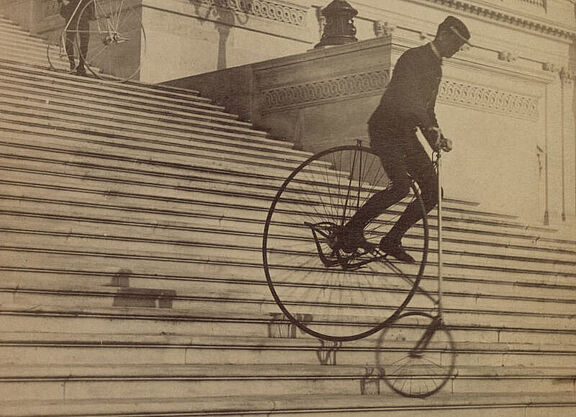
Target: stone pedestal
{"points": [[339, 28]]}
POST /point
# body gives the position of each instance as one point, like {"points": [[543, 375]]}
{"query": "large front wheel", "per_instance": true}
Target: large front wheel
{"points": [[328, 292]]}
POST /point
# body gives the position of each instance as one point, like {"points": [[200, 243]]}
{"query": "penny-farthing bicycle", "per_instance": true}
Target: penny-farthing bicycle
{"points": [[117, 40], [339, 295]]}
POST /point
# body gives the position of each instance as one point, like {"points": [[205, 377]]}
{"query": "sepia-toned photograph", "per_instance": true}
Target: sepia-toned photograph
{"points": [[282, 208]]}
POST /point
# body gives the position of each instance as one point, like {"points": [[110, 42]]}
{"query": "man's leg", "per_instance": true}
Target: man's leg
{"points": [[84, 38], [70, 49], [391, 154], [422, 171]]}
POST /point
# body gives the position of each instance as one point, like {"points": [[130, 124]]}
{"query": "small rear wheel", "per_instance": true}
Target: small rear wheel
{"points": [[325, 291], [417, 354]]}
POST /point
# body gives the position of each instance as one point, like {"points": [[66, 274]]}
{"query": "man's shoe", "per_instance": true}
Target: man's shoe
{"points": [[394, 248], [81, 72], [353, 239]]}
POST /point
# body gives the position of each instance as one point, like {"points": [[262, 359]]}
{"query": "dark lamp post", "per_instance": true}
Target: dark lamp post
{"points": [[339, 27]]}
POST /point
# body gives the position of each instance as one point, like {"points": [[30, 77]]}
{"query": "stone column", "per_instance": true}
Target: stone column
{"points": [[568, 142]]}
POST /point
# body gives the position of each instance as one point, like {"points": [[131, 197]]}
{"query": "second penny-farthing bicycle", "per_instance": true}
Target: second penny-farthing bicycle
{"points": [[117, 40], [342, 295]]}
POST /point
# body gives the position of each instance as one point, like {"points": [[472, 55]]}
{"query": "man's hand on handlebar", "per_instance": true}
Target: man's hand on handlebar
{"points": [[444, 144], [437, 139]]}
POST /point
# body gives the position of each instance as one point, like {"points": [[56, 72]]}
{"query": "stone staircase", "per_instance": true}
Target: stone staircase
{"points": [[132, 282]]}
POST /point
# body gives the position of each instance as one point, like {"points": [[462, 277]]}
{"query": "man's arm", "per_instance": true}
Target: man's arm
{"points": [[416, 103]]}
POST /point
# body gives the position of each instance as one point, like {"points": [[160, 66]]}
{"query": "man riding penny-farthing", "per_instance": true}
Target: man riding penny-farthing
{"points": [[346, 238]]}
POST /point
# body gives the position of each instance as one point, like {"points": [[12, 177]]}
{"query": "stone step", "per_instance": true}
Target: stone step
{"points": [[43, 180], [17, 86], [476, 272], [34, 60], [331, 319], [19, 348], [72, 140], [19, 41], [250, 256], [17, 168], [459, 241], [20, 49], [56, 83], [13, 29], [235, 280], [206, 322], [83, 142], [48, 289], [43, 283], [197, 277], [109, 123], [17, 38], [91, 107], [183, 158], [376, 403], [215, 247], [454, 208], [476, 212], [18, 150], [455, 254], [17, 49], [169, 381], [89, 85]]}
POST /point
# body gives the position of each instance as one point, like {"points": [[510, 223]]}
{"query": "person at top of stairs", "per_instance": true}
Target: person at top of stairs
{"points": [[407, 104], [70, 10]]}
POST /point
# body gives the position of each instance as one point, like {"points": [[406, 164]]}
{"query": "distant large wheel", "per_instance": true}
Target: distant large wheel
{"points": [[117, 39], [325, 291]]}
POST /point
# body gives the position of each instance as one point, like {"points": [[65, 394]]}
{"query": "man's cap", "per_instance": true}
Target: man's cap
{"points": [[458, 27]]}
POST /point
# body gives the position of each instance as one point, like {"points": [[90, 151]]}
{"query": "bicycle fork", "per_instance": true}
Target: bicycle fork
{"points": [[418, 350]]}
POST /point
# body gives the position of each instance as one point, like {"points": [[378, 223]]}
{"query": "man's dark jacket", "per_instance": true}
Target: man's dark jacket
{"points": [[410, 97], [66, 10]]}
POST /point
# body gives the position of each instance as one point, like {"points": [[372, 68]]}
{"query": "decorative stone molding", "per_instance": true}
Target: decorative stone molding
{"points": [[350, 85], [529, 4], [383, 29], [486, 98], [285, 13], [501, 16], [324, 90]]}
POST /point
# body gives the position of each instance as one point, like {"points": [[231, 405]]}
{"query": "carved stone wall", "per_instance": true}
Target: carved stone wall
{"points": [[267, 9], [489, 99], [322, 91]]}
